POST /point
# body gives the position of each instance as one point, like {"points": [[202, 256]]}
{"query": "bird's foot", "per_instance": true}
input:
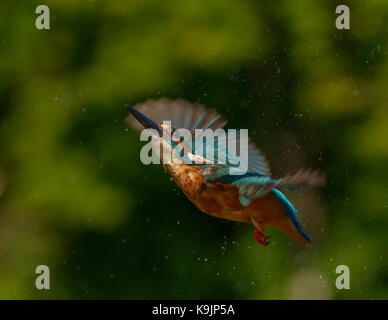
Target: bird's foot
{"points": [[261, 238]]}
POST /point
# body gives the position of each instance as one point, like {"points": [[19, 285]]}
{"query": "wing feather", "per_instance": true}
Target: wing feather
{"points": [[191, 116], [181, 113], [252, 186]]}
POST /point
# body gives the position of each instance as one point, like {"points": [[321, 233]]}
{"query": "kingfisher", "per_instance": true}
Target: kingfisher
{"points": [[254, 197]]}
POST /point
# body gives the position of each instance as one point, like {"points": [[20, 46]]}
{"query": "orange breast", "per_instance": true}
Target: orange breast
{"points": [[222, 200]]}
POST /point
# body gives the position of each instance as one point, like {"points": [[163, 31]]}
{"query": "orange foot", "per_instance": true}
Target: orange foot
{"points": [[261, 238]]}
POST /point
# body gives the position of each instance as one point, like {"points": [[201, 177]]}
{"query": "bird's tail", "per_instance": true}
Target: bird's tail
{"points": [[292, 227], [303, 179]]}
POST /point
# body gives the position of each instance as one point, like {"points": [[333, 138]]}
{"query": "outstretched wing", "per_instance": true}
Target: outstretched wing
{"points": [[180, 112], [256, 160], [252, 186], [256, 163], [191, 116], [303, 179]]}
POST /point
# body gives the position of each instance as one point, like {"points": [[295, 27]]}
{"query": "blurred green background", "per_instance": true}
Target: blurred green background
{"points": [[76, 197]]}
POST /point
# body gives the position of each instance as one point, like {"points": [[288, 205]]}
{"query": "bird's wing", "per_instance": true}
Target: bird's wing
{"points": [[191, 116], [303, 179], [257, 162], [180, 112], [253, 186]]}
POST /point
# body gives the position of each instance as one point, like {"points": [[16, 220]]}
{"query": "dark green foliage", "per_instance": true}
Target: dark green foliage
{"points": [[77, 198]]}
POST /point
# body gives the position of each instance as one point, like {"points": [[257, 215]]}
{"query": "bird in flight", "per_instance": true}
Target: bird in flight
{"points": [[253, 197]]}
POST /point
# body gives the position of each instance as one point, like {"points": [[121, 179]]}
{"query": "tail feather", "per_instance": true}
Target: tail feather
{"points": [[303, 179], [291, 213]]}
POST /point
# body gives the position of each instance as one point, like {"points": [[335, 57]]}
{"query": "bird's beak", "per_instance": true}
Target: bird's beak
{"points": [[145, 121]]}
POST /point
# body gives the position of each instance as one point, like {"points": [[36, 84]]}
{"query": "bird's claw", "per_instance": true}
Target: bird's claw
{"points": [[262, 238]]}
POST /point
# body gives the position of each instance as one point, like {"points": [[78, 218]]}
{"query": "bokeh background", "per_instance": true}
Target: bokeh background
{"points": [[76, 197]]}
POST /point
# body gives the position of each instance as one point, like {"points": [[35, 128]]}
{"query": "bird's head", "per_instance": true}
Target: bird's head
{"points": [[163, 139]]}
